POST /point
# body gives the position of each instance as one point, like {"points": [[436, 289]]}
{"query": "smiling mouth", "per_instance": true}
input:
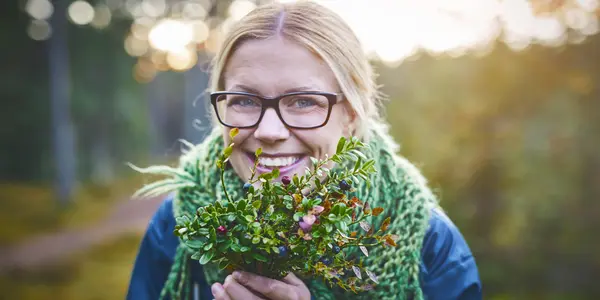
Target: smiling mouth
{"points": [[283, 163]]}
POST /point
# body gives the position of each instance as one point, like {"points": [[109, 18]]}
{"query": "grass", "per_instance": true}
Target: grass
{"points": [[28, 210], [101, 273]]}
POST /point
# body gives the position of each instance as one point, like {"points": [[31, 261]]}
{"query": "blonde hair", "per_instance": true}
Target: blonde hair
{"points": [[322, 31]]}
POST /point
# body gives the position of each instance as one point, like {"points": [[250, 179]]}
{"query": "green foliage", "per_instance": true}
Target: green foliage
{"points": [[301, 225]]}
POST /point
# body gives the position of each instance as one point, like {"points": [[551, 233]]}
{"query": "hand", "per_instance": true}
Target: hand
{"points": [[248, 286]]}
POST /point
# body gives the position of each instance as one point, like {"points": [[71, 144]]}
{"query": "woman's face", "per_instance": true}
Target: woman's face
{"points": [[271, 68]]}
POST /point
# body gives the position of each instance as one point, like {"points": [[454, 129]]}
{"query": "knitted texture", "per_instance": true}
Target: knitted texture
{"points": [[396, 185]]}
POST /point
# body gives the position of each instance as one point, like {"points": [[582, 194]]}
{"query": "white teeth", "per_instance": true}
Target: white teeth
{"points": [[277, 162]]}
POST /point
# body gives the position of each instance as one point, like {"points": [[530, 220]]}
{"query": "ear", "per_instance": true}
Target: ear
{"points": [[349, 122]]}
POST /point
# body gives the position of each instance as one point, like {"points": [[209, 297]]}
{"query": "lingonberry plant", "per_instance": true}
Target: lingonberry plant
{"points": [[302, 224]]}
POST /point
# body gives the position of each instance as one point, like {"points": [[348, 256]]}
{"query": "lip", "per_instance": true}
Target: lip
{"points": [[251, 154], [283, 170]]}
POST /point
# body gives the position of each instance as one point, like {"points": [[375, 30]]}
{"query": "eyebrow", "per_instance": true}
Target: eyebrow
{"points": [[248, 89]]}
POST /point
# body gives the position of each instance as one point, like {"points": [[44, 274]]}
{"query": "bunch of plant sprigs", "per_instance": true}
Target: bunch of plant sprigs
{"points": [[301, 224]]}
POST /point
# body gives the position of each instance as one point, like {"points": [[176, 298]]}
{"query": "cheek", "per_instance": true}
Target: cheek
{"points": [[238, 139], [322, 140]]}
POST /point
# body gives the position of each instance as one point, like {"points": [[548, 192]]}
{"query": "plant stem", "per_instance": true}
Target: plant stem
{"points": [[359, 220], [254, 169], [375, 244], [223, 183]]}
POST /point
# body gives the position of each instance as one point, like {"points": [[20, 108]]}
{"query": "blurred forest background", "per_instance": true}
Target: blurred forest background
{"points": [[504, 121]]}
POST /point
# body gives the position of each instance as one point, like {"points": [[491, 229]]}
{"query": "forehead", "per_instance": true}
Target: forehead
{"points": [[276, 65]]}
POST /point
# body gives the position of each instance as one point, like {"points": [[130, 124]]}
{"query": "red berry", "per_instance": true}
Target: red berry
{"points": [[221, 229], [286, 180]]}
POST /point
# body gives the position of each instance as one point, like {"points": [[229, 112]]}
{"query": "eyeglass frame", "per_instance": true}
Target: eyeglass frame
{"points": [[273, 102]]}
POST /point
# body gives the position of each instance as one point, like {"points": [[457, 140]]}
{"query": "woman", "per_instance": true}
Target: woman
{"points": [[294, 79]]}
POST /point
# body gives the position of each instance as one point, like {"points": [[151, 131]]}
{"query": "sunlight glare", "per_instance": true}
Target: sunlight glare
{"points": [[170, 35]]}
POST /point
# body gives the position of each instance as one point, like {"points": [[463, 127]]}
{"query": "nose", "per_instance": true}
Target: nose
{"points": [[271, 129]]}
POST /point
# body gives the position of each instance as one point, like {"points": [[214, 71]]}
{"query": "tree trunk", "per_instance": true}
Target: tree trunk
{"points": [[62, 125]]}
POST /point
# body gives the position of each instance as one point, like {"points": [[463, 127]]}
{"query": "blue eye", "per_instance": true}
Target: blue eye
{"points": [[243, 101], [303, 102]]}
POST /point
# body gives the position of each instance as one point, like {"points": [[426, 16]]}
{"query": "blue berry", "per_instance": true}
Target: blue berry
{"points": [[326, 261], [344, 185], [282, 251], [336, 249], [247, 186]]}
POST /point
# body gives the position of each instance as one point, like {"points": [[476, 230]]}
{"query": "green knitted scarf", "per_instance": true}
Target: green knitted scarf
{"points": [[397, 186]]}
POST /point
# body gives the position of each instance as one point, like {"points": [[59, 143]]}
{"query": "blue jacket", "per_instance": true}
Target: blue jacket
{"points": [[448, 269]]}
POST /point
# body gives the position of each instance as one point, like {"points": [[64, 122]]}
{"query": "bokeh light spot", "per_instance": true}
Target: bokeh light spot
{"points": [[81, 12]]}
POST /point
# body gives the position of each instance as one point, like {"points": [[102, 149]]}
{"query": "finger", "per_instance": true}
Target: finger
{"points": [[219, 292], [238, 291], [271, 288], [301, 288], [290, 278]]}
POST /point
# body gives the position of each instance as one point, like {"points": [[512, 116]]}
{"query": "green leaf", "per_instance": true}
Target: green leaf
{"points": [[275, 173], [206, 257], [298, 215], [358, 153], [164, 170], [249, 218], [343, 226], [256, 240], [233, 132], [228, 150], [194, 244], [316, 234], [314, 162], [235, 247], [304, 201], [218, 205], [266, 176], [196, 256], [213, 234], [231, 207], [340, 145], [351, 155], [244, 249], [258, 152], [224, 246], [183, 220], [256, 204], [208, 247], [328, 227], [223, 264], [231, 217], [241, 205], [259, 257]]}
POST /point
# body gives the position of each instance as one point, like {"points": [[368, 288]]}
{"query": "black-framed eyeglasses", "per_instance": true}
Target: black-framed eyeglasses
{"points": [[300, 110]]}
